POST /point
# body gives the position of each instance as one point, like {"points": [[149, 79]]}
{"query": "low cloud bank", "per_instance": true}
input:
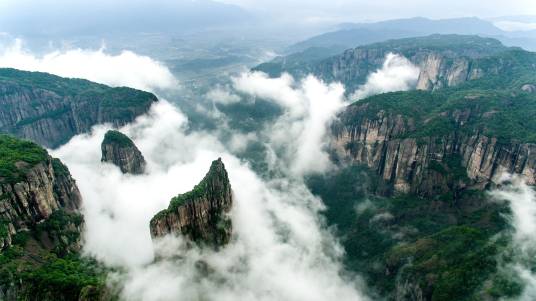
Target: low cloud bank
{"points": [[396, 74], [522, 201], [299, 137], [280, 250], [125, 69]]}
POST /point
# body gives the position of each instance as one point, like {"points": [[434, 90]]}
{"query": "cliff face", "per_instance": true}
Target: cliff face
{"points": [[444, 61], [50, 110], [46, 188], [40, 229], [428, 165], [201, 214], [439, 68], [118, 149]]}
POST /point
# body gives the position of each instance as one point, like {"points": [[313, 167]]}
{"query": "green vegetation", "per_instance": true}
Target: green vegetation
{"points": [[450, 250], [60, 169], [320, 60], [200, 190], [45, 262], [63, 228], [17, 157], [450, 265], [458, 45], [64, 276], [45, 274], [118, 138], [55, 98], [3, 229], [501, 114]]}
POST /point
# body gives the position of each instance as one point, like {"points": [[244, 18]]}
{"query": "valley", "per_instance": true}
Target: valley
{"points": [[365, 163]]}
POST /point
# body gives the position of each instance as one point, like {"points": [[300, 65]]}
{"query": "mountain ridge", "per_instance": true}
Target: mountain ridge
{"points": [[50, 110]]}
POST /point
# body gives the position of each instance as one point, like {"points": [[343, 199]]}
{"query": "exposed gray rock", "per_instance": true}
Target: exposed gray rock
{"points": [[47, 187], [443, 60], [201, 214], [50, 110], [118, 149], [411, 165]]}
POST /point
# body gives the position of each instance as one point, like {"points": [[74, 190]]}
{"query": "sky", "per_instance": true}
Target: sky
{"points": [[365, 10], [287, 11]]}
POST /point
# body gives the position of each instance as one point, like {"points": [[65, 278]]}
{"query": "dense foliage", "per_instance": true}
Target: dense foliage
{"points": [[502, 114], [442, 246], [117, 138], [69, 106], [17, 157], [201, 190], [313, 60], [44, 261]]}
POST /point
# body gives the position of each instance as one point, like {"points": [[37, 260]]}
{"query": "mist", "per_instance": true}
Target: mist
{"points": [[396, 74], [298, 137], [281, 249], [124, 69], [521, 199]]}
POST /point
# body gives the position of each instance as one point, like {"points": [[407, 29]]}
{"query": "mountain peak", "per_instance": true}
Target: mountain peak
{"points": [[117, 148], [200, 214]]}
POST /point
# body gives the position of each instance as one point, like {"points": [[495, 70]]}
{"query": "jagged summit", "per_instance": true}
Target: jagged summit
{"points": [[119, 149], [200, 214]]}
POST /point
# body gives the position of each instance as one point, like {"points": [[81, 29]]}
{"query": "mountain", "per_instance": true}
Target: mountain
{"points": [[200, 214], [50, 110], [40, 226], [468, 26], [444, 61], [411, 200], [434, 143], [118, 149], [351, 35]]}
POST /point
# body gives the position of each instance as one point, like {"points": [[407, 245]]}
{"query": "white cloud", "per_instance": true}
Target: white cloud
{"points": [[280, 250], [124, 69], [222, 95], [515, 26], [299, 135], [238, 142], [522, 200], [396, 74]]}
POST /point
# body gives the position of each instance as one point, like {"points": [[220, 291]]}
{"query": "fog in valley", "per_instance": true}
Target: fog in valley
{"points": [[272, 131]]}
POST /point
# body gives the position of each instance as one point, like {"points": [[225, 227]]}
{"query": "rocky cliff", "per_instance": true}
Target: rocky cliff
{"points": [[40, 229], [33, 186], [50, 110], [440, 151], [119, 149], [443, 60], [201, 214]]}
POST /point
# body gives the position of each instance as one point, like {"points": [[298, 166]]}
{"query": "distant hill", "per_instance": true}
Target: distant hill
{"points": [[444, 61], [351, 35], [355, 34]]}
